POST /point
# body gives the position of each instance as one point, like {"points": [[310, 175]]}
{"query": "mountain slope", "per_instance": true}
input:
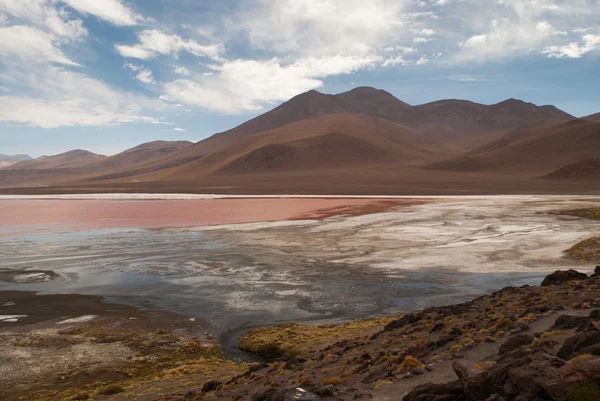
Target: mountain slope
{"points": [[535, 150], [465, 125], [337, 140], [143, 153], [449, 127], [588, 169], [305, 106], [592, 117], [71, 159]]}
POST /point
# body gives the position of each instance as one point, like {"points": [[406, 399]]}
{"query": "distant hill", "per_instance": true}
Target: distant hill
{"points": [[538, 148], [588, 169], [9, 160], [71, 159], [592, 117]]}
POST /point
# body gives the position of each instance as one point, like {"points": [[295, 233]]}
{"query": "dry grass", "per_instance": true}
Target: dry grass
{"points": [[333, 381], [587, 250], [411, 363], [292, 339]]}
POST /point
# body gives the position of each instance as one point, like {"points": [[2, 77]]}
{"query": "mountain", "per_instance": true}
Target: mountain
{"points": [[312, 104], [592, 117], [446, 127], [361, 141], [329, 141], [9, 160], [466, 125], [451, 124], [71, 159], [144, 153], [536, 149], [588, 169]]}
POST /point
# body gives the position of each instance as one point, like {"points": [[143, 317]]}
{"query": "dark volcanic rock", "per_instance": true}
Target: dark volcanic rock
{"points": [[514, 342], [568, 322], [561, 276], [476, 388], [297, 394], [403, 321], [596, 272], [437, 392], [211, 385], [268, 395], [575, 345]]}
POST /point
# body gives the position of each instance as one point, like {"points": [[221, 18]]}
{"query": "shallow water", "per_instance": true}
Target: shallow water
{"points": [[246, 275]]}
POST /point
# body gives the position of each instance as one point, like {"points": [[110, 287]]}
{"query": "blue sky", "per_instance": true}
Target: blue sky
{"points": [[108, 75]]}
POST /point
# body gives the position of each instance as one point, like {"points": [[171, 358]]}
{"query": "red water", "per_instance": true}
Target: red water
{"points": [[18, 217]]}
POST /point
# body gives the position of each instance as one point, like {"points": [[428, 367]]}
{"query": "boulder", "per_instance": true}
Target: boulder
{"points": [[476, 387], [568, 322], [452, 391], [562, 276], [576, 345], [211, 385], [515, 341], [596, 272]]}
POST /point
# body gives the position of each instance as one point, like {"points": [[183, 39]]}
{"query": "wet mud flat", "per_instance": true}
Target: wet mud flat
{"points": [[54, 342]]}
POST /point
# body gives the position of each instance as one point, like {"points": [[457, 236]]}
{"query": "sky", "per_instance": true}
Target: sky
{"points": [[106, 75]]}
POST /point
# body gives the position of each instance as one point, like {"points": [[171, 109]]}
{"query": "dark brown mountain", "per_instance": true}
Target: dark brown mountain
{"points": [[366, 135], [588, 169], [312, 104], [592, 117], [144, 153], [330, 141], [537, 149], [465, 125], [447, 127], [71, 159]]}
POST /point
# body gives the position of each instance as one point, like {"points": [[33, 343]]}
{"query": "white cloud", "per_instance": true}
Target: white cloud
{"points": [[321, 27], [113, 11], [246, 85], [182, 71], [73, 112], [42, 14], [153, 42], [143, 74], [588, 44], [178, 129], [31, 45]]}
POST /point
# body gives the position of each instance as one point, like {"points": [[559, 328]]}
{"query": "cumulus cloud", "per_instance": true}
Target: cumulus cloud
{"points": [[42, 90], [153, 42], [246, 85], [587, 44], [143, 74], [31, 45], [113, 11]]}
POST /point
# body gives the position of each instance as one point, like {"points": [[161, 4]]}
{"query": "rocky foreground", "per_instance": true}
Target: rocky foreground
{"points": [[526, 343], [530, 343]]}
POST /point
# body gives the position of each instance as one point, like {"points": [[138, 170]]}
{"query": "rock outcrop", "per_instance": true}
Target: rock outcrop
{"points": [[525, 371], [561, 276]]}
